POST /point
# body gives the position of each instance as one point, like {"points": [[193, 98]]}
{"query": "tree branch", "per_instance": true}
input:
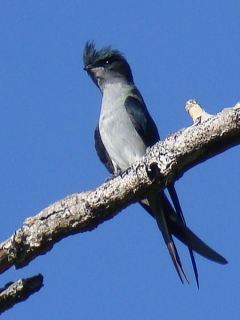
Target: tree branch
{"points": [[19, 291], [164, 162]]}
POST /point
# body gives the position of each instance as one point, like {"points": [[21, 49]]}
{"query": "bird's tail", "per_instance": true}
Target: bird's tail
{"points": [[177, 206], [172, 223]]}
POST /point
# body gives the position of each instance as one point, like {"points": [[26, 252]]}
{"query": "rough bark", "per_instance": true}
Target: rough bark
{"points": [[19, 291], [164, 162]]}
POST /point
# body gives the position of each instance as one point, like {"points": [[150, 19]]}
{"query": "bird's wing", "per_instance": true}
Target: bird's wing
{"points": [[148, 132], [102, 152], [141, 119]]}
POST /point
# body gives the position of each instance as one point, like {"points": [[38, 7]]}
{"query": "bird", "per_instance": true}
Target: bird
{"points": [[124, 132]]}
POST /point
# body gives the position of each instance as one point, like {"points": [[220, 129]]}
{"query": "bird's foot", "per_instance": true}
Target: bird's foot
{"points": [[124, 173], [111, 177]]}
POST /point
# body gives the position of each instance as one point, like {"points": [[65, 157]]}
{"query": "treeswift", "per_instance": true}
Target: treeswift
{"points": [[124, 131]]}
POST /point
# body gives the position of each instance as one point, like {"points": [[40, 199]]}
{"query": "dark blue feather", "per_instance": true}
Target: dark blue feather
{"points": [[102, 152], [141, 119]]}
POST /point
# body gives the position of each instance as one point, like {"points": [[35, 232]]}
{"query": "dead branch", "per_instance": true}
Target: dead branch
{"points": [[19, 291], [164, 162]]}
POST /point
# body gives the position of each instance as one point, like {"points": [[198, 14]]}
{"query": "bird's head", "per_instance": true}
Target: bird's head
{"points": [[105, 65]]}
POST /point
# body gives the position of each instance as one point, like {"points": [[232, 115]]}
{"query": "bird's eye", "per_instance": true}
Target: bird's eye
{"points": [[105, 62]]}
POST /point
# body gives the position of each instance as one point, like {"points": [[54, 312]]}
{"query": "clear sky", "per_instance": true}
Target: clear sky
{"points": [[178, 50]]}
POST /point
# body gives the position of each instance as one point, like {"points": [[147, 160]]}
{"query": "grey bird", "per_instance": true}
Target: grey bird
{"points": [[124, 131]]}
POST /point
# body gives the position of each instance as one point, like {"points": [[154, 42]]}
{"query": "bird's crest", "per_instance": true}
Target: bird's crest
{"points": [[91, 56]]}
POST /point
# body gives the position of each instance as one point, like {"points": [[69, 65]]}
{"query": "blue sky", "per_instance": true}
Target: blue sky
{"points": [[178, 50]]}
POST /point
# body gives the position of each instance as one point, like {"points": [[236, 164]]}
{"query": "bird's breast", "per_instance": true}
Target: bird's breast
{"points": [[117, 131]]}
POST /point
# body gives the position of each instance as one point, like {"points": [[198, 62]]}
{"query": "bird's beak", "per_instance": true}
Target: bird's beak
{"points": [[88, 67]]}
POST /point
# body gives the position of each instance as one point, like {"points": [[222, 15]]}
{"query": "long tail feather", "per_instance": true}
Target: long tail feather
{"points": [[173, 223], [176, 203], [184, 234], [163, 226]]}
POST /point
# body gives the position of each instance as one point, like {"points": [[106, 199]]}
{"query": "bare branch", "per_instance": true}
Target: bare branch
{"points": [[163, 163], [19, 291], [196, 112]]}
